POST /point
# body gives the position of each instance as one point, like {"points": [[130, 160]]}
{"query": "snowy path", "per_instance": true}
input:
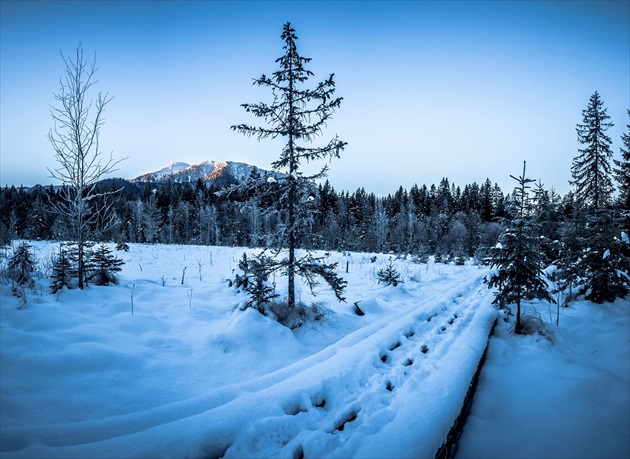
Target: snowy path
{"points": [[343, 395], [390, 388]]}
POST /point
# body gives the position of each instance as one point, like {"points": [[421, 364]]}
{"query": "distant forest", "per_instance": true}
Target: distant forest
{"points": [[444, 220]]}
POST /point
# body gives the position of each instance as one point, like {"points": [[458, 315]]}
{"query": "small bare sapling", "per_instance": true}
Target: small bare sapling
{"points": [[200, 265], [133, 288]]}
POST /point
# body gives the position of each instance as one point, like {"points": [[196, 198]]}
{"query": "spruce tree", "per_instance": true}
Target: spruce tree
{"points": [[595, 258], [569, 277], [21, 265], [297, 114], [61, 271], [104, 266], [604, 264], [545, 217], [389, 275], [519, 276], [255, 281], [72, 253], [622, 171], [591, 170]]}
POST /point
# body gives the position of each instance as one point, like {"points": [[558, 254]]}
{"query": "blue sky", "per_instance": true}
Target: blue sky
{"points": [[464, 90]]}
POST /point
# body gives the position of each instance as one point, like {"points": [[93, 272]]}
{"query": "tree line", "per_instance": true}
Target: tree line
{"points": [[443, 219]]}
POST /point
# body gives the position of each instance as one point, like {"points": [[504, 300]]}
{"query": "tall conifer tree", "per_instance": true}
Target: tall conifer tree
{"points": [[591, 168], [519, 275], [622, 171], [297, 114], [600, 264]]}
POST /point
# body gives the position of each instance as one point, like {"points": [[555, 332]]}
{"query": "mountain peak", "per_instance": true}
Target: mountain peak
{"points": [[209, 171]]}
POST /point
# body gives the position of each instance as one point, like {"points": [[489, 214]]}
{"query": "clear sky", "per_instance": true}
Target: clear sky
{"points": [[459, 89]]}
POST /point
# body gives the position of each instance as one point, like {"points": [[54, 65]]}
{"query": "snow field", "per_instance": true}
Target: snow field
{"points": [[569, 398], [187, 376]]}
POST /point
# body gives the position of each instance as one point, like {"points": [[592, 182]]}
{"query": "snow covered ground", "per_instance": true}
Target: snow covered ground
{"points": [[568, 398], [187, 375]]}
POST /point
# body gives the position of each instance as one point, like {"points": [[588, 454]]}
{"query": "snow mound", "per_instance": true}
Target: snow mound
{"points": [[370, 306], [251, 331]]}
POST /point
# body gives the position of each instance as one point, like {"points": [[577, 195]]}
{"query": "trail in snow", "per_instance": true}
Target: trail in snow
{"points": [[332, 408]]}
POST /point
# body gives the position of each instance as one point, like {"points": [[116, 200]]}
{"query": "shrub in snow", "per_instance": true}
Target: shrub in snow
{"points": [[566, 276], [607, 264], [120, 245], [254, 280], [388, 275], [71, 250], [423, 258], [300, 314], [532, 323], [599, 263], [104, 266], [483, 256], [460, 261], [241, 279], [21, 265], [61, 271]]}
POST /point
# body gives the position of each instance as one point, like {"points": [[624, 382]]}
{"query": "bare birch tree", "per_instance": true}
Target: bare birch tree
{"points": [[75, 140]]}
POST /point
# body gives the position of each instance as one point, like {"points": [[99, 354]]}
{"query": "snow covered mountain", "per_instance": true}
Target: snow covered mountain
{"points": [[162, 174], [207, 171]]}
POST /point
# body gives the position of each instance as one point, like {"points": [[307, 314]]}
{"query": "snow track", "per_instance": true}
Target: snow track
{"points": [[320, 420], [343, 395], [408, 368]]}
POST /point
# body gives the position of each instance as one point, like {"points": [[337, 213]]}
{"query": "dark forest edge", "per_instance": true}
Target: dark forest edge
{"points": [[436, 220], [443, 220]]}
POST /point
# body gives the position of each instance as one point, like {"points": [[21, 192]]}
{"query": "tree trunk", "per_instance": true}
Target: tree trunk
{"points": [[292, 184], [80, 236], [291, 267]]}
